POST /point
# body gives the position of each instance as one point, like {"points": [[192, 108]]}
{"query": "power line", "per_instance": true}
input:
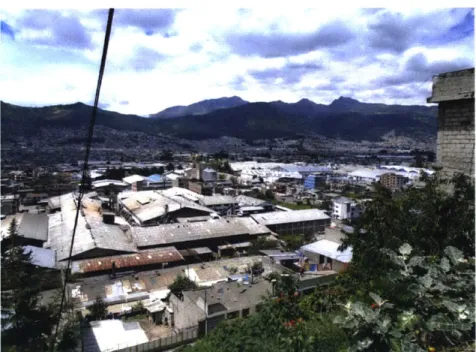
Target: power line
{"points": [[85, 164]]}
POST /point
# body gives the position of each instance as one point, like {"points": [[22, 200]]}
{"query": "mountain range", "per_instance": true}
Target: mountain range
{"points": [[344, 118]]}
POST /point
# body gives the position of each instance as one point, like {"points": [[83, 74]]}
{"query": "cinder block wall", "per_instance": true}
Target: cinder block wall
{"points": [[454, 92], [455, 149]]}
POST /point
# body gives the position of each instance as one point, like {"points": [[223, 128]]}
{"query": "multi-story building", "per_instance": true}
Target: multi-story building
{"points": [[345, 208], [392, 181]]}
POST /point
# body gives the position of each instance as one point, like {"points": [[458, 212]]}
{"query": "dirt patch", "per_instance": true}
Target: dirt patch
{"points": [[154, 331]]}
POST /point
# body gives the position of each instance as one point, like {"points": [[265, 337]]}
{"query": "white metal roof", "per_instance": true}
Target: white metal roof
{"points": [[133, 178], [283, 217], [329, 249]]}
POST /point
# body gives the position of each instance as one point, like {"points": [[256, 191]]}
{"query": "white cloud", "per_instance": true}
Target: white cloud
{"points": [[191, 58]]}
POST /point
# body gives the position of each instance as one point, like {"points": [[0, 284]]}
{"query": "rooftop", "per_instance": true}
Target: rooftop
{"points": [[283, 217], [329, 249], [217, 200], [148, 205], [32, 226], [215, 228], [155, 256], [133, 178], [98, 235], [42, 257]]}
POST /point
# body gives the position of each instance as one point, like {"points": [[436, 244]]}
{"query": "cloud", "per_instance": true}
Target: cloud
{"points": [[151, 21], [145, 59], [279, 44], [53, 28], [418, 69], [290, 73], [6, 29]]}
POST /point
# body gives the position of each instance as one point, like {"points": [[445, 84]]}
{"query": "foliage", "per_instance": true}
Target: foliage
{"points": [[180, 284], [170, 167], [98, 309], [435, 309], [259, 244], [26, 324], [325, 205], [429, 219]]}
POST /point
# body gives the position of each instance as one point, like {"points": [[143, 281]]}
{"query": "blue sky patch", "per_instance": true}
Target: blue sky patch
{"points": [[7, 30]]}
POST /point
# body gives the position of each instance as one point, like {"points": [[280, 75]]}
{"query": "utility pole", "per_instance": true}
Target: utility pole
{"points": [[206, 313]]}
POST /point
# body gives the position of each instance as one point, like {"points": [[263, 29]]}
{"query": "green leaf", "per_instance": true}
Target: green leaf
{"points": [[405, 249], [426, 281], [445, 265], [455, 255], [377, 299]]}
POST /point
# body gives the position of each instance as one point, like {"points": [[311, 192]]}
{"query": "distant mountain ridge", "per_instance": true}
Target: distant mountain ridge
{"points": [[201, 108], [344, 118]]}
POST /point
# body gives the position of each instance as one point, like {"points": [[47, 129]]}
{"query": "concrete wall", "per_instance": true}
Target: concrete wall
{"points": [[454, 92], [186, 313], [455, 148]]}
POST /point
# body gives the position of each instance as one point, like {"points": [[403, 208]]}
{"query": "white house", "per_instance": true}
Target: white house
{"points": [[326, 255], [345, 208]]}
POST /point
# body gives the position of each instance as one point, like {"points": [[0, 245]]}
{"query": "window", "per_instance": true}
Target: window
{"points": [[245, 312], [233, 315]]}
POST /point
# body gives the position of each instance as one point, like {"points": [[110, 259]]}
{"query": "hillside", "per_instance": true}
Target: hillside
{"points": [[345, 119], [200, 108]]}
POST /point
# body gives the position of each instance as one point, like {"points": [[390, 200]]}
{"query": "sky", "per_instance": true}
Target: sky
{"points": [[159, 58]]}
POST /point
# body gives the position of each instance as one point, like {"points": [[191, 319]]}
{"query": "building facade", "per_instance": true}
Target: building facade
{"points": [[344, 208], [454, 93], [392, 181]]}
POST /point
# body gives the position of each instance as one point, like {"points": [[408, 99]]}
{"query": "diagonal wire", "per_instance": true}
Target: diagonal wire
{"points": [[85, 164]]}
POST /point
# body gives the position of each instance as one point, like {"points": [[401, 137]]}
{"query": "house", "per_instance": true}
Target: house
{"points": [[454, 94], [324, 255], [207, 307], [345, 208]]}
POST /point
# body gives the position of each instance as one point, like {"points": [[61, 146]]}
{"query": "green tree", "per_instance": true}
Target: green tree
{"points": [[180, 284], [98, 309], [170, 167], [26, 324]]}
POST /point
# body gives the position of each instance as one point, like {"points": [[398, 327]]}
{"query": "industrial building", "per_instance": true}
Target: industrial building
{"points": [[308, 221], [211, 234], [221, 204], [146, 208], [32, 229]]}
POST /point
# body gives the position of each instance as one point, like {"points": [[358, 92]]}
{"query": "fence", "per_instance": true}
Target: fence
{"points": [[163, 343]]}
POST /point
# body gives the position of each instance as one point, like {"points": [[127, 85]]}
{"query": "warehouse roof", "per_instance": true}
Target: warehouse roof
{"points": [[155, 256], [174, 233], [98, 235], [133, 178], [182, 192], [34, 226], [246, 200], [329, 249], [148, 205], [218, 200], [42, 257], [155, 178], [284, 217], [106, 183]]}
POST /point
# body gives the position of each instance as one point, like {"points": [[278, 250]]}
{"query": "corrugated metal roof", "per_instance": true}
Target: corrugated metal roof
{"points": [[45, 258], [174, 233], [148, 205], [218, 200], [246, 200], [133, 178], [34, 226], [100, 235], [284, 217], [155, 178], [329, 249], [155, 256]]}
